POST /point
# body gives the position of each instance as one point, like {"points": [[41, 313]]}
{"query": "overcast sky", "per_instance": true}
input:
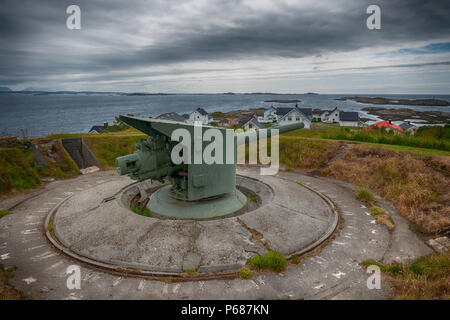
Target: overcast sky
{"points": [[208, 46]]}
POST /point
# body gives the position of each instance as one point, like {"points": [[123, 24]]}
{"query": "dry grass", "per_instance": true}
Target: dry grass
{"points": [[7, 291], [418, 185], [427, 278]]}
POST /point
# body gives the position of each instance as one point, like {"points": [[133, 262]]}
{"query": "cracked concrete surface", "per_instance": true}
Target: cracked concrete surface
{"points": [[333, 273]]}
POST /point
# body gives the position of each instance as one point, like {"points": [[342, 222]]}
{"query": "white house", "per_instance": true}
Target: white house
{"points": [[408, 127], [253, 124], [295, 115], [199, 115], [348, 119], [270, 115], [333, 116]]}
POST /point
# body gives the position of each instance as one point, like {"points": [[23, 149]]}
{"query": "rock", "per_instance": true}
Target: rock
{"points": [[89, 170]]}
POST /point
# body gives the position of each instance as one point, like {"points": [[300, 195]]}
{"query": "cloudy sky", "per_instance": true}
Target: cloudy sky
{"points": [[208, 46]]}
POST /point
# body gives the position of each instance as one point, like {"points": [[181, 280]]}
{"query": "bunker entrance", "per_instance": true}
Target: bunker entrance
{"points": [[79, 152]]}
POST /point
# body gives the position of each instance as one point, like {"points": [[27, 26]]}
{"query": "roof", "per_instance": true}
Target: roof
{"points": [[171, 116], [405, 126], [301, 112], [202, 111], [283, 111], [386, 124], [348, 116], [255, 122], [98, 128], [306, 111]]}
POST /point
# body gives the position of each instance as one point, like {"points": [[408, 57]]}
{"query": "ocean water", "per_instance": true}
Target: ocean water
{"points": [[37, 115]]}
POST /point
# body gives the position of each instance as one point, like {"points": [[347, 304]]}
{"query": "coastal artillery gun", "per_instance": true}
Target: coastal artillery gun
{"points": [[194, 181]]}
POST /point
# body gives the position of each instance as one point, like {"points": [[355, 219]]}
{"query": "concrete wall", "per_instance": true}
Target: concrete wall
{"points": [[79, 152]]}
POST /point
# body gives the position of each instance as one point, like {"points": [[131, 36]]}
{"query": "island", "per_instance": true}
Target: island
{"points": [[403, 102], [283, 101], [402, 114]]}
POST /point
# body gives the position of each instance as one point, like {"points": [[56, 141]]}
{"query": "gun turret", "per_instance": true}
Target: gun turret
{"points": [[190, 181]]}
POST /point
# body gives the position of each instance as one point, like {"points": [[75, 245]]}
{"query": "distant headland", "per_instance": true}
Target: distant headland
{"points": [[403, 102]]}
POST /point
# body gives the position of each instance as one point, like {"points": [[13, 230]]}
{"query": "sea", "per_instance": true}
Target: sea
{"points": [[38, 115]]}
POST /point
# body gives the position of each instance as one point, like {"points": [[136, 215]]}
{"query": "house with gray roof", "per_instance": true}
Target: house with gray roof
{"points": [[253, 124], [199, 115], [408, 127], [348, 119]]}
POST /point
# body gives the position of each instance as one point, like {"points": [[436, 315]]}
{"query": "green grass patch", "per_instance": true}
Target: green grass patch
{"points": [[272, 260], [50, 227], [426, 137], [4, 213], [144, 212], [299, 183], [245, 273], [364, 195], [377, 211], [107, 148], [252, 197]]}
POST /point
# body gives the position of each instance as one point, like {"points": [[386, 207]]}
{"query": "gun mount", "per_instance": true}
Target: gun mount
{"points": [[191, 182]]}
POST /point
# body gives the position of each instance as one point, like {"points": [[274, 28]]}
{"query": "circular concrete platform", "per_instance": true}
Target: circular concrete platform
{"points": [[97, 227]]}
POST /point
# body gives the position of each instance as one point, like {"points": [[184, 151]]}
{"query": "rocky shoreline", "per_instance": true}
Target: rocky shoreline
{"points": [[402, 114], [397, 102]]}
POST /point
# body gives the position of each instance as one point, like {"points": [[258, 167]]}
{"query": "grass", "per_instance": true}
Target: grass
{"points": [[245, 273], [18, 172], [382, 217], [107, 147], [3, 213], [272, 260], [364, 195], [424, 278], [426, 137], [295, 260], [252, 197], [144, 212], [50, 227], [417, 185]]}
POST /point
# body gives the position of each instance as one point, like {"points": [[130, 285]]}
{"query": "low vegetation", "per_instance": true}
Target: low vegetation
{"points": [[382, 217], [245, 273], [295, 259], [18, 171], [272, 260], [7, 291], [424, 278], [364, 195], [417, 185], [108, 147], [427, 137], [3, 213], [143, 212]]}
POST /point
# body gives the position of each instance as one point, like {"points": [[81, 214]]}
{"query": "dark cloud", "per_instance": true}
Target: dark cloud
{"points": [[36, 44]]}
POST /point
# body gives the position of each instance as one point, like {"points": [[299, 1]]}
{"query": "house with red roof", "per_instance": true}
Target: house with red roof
{"points": [[385, 124]]}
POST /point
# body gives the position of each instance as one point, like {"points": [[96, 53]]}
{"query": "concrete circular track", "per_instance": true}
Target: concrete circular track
{"points": [[97, 227], [332, 271]]}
